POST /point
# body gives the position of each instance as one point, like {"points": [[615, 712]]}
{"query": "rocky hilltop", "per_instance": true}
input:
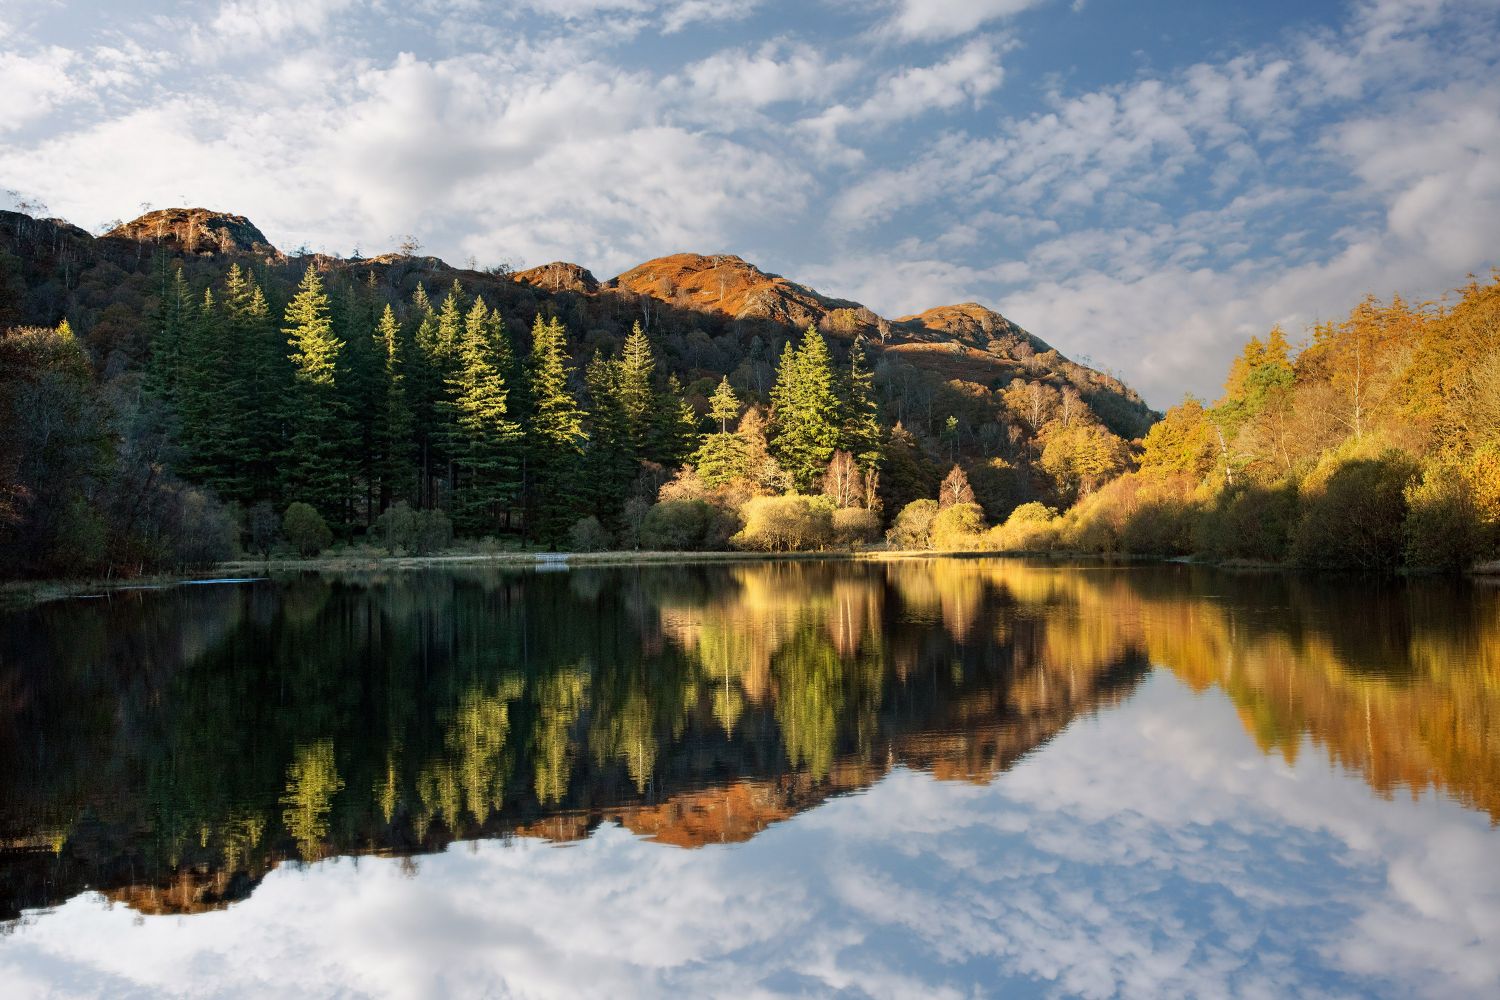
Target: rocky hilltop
{"points": [[715, 314]]}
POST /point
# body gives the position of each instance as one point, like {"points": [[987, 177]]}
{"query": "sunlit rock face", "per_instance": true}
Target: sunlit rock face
{"points": [[170, 748]]}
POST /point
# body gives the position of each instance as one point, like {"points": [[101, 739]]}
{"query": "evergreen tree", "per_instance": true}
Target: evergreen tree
{"points": [[806, 417], [862, 433], [393, 429], [723, 456], [204, 388], [175, 311], [485, 438], [555, 436], [675, 425], [609, 462], [637, 392], [427, 384], [317, 460]]}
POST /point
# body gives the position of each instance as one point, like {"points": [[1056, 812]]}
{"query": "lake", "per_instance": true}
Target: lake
{"points": [[943, 777]]}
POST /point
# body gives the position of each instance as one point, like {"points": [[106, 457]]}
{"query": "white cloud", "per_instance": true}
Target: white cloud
{"points": [[34, 85], [939, 19], [965, 77]]}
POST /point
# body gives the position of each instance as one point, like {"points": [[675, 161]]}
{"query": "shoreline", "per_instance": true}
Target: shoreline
{"points": [[18, 594]]}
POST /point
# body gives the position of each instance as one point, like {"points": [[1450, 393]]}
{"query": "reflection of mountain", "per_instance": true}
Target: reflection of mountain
{"points": [[170, 748]]}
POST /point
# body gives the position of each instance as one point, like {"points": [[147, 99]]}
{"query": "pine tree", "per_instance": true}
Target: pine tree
{"points": [[723, 456], [806, 415], [862, 434], [484, 438], [555, 435], [317, 460], [202, 394], [609, 461], [675, 426], [174, 313], [393, 428], [427, 385], [637, 392]]}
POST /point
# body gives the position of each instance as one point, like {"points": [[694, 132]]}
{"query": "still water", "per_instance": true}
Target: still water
{"points": [[918, 778]]}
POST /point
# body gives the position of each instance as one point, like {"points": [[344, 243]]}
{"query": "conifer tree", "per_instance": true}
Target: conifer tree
{"points": [[203, 385], [637, 391], [675, 426], [393, 429], [427, 386], [806, 417], [317, 460], [723, 456], [174, 313], [555, 435], [862, 435], [484, 438], [609, 461]]}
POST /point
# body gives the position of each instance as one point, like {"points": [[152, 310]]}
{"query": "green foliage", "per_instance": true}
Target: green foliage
{"points": [[392, 439], [1031, 527], [1353, 511], [484, 439], [318, 465], [806, 415], [1249, 521], [304, 528], [555, 435]]}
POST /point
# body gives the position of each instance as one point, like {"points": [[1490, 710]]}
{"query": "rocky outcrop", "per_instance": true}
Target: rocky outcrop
{"points": [[196, 230]]}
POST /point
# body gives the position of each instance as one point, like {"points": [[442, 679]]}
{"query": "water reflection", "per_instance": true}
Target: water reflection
{"points": [[171, 749]]}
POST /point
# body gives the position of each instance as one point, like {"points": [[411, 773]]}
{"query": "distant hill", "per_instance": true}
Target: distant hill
{"points": [[949, 374]]}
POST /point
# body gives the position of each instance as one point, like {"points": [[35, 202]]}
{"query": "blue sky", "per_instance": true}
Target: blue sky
{"points": [[1143, 185]]}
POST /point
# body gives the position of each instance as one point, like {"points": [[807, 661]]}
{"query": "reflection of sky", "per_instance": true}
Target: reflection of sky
{"points": [[1151, 851]]}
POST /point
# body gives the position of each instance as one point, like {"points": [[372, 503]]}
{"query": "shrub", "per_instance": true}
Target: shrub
{"points": [[1249, 521], [415, 531], [675, 524], [588, 535], [262, 526], [913, 526], [855, 526], [785, 524], [206, 532], [305, 529], [1031, 527], [1453, 513], [958, 528], [1353, 514]]}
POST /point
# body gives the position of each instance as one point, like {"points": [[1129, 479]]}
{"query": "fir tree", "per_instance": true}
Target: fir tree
{"points": [[555, 435], [484, 439], [317, 461], [609, 461], [722, 458], [806, 417], [637, 392], [393, 428], [174, 313], [862, 434]]}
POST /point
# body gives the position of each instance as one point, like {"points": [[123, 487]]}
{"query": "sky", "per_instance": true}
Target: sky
{"points": [[1143, 185], [1152, 850]]}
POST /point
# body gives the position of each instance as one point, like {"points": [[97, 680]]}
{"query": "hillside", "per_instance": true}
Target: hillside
{"points": [[153, 303]]}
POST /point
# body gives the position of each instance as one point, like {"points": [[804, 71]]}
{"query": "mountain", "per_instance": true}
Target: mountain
{"points": [[969, 384]]}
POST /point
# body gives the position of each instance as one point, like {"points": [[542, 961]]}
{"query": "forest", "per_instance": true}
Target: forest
{"points": [[181, 393]]}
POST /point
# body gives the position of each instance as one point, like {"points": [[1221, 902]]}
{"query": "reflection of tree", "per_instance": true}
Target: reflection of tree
{"points": [[312, 781], [560, 699], [713, 700]]}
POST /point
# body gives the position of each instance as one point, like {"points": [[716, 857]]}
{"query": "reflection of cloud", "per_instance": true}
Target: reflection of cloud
{"points": [[1152, 850]]}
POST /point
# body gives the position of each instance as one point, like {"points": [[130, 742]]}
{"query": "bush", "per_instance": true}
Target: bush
{"points": [[785, 524], [1354, 512], [588, 535], [855, 526], [676, 525], [206, 532], [958, 528], [913, 526], [1136, 513], [305, 529], [1453, 513], [1249, 521], [417, 532], [262, 526], [1031, 527]]}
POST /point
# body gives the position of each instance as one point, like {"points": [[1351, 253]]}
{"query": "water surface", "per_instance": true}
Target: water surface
{"points": [[933, 777]]}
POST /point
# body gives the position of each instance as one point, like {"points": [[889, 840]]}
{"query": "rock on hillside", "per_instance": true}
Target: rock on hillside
{"points": [[559, 276], [728, 285], [196, 230]]}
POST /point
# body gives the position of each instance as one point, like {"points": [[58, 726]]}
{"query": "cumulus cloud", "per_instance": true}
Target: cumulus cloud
{"points": [[940, 19]]}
